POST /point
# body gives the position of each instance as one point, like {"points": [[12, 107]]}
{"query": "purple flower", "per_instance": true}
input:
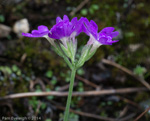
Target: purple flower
{"points": [[41, 32], [104, 37], [65, 28]]}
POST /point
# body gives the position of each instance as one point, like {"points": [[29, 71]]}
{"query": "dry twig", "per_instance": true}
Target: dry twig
{"points": [[87, 81], [142, 114], [86, 114], [86, 93], [129, 102], [79, 7], [94, 115], [65, 87], [127, 71]]}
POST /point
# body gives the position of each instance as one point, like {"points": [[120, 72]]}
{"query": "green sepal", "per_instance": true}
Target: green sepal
{"points": [[86, 54], [57, 50], [66, 51], [85, 51], [70, 48], [90, 55]]}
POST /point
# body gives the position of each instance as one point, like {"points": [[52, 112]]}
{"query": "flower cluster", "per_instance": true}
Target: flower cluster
{"points": [[66, 31]]}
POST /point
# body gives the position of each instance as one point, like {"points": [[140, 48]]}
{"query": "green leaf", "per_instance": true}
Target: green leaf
{"points": [[2, 18], [73, 117], [53, 82], [129, 34], [49, 74], [80, 71], [80, 89], [95, 7], [139, 70], [48, 120], [43, 106], [18, 73], [14, 68], [91, 10], [50, 97], [84, 12], [8, 70], [104, 114], [109, 103]]}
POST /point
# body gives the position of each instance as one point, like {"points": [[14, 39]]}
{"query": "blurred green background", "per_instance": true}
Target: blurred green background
{"points": [[29, 64]]}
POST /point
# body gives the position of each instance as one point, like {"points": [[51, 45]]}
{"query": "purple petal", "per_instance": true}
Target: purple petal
{"points": [[54, 36], [114, 41], [65, 27], [110, 43], [90, 28], [42, 28], [80, 29], [35, 32], [42, 31], [107, 30], [65, 18], [58, 19], [86, 26], [29, 35], [94, 25], [114, 34], [60, 32], [79, 26], [106, 41], [74, 20], [103, 40], [87, 23]]}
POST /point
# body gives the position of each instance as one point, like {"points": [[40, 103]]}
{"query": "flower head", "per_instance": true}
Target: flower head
{"points": [[41, 32], [104, 37], [65, 28]]}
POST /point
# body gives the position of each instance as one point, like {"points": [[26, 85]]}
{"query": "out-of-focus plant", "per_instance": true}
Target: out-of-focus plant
{"points": [[49, 74], [12, 72], [34, 102], [139, 70], [72, 117], [48, 120], [2, 18], [91, 10], [80, 71], [62, 37]]}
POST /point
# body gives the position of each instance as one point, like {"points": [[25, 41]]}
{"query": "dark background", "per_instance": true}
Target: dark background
{"points": [[29, 64]]}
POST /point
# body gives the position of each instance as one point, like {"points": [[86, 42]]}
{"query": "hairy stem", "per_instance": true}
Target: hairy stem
{"points": [[69, 94]]}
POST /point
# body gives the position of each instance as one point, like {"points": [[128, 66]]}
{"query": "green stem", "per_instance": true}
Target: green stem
{"points": [[69, 94]]}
